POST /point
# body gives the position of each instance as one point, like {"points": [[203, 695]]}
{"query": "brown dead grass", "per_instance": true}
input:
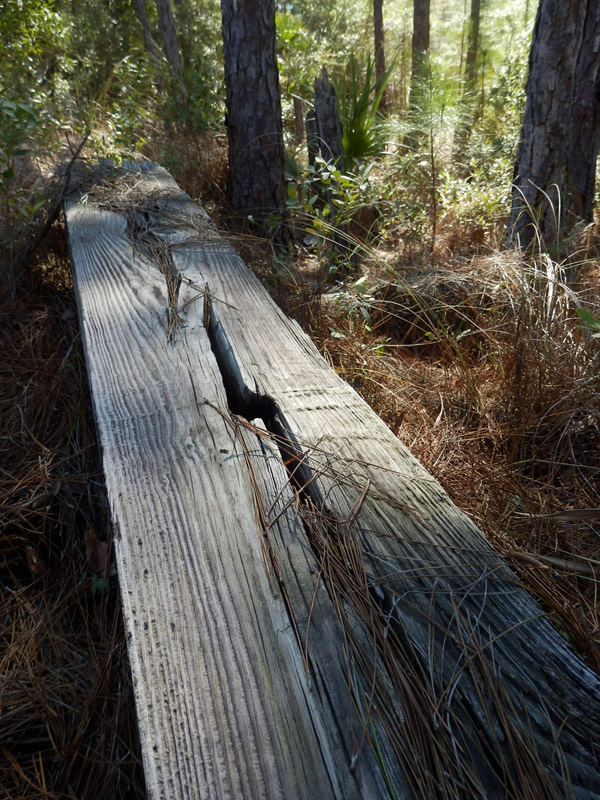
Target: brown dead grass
{"points": [[483, 371], [68, 723]]}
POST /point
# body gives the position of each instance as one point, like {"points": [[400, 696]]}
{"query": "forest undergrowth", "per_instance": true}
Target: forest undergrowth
{"points": [[475, 358]]}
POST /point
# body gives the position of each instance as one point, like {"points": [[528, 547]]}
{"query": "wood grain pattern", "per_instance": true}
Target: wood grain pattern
{"points": [[228, 693], [224, 704]]}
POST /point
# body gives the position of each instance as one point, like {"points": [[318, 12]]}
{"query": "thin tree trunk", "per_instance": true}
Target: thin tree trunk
{"points": [[185, 18], [554, 178], [472, 46], [379, 48], [465, 120], [462, 40], [420, 50], [167, 29], [256, 166], [298, 119], [330, 142], [312, 136], [140, 8], [328, 120], [420, 41]]}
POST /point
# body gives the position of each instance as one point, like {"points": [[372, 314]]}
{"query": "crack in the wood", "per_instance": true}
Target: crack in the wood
{"points": [[251, 405], [385, 635]]}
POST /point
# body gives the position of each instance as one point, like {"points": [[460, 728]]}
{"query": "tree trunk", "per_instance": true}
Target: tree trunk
{"points": [[312, 136], [465, 112], [329, 130], [379, 48], [185, 21], [167, 29], [420, 41], [256, 172], [555, 169], [420, 49], [140, 9], [298, 119], [328, 120]]}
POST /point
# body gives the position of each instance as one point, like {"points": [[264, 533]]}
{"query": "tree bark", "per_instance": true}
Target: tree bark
{"points": [[312, 136], [140, 9], [465, 112], [298, 119], [329, 131], [420, 49], [472, 46], [256, 168], [167, 29], [379, 48], [328, 120], [420, 41], [185, 19], [555, 169]]}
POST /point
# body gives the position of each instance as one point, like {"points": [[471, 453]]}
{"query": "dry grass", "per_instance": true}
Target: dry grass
{"points": [[483, 371], [68, 723]]}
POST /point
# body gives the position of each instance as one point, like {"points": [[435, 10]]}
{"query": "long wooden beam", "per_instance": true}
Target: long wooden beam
{"points": [[308, 614]]}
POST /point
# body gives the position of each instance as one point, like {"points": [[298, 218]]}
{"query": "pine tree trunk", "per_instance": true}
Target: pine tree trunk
{"points": [[465, 120], [328, 120], [312, 136], [379, 47], [420, 49], [420, 41], [256, 173], [142, 13], [167, 29], [185, 20], [298, 119], [555, 169]]}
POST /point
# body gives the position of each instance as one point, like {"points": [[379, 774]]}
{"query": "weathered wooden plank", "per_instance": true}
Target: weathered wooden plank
{"points": [[473, 686], [447, 592], [224, 702]]}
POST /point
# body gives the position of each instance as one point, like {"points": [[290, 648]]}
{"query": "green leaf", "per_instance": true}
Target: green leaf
{"points": [[99, 584], [588, 318]]}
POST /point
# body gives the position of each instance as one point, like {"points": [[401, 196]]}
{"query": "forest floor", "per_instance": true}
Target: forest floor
{"points": [[475, 358]]}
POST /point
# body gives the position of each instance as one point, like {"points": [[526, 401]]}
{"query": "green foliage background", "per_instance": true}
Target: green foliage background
{"points": [[84, 65]]}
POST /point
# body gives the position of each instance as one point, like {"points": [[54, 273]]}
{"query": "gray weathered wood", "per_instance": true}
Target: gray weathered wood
{"points": [[229, 695], [224, 703]]}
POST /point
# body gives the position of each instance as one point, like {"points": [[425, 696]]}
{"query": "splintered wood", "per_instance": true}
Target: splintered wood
{"points": [[308, 614]]}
